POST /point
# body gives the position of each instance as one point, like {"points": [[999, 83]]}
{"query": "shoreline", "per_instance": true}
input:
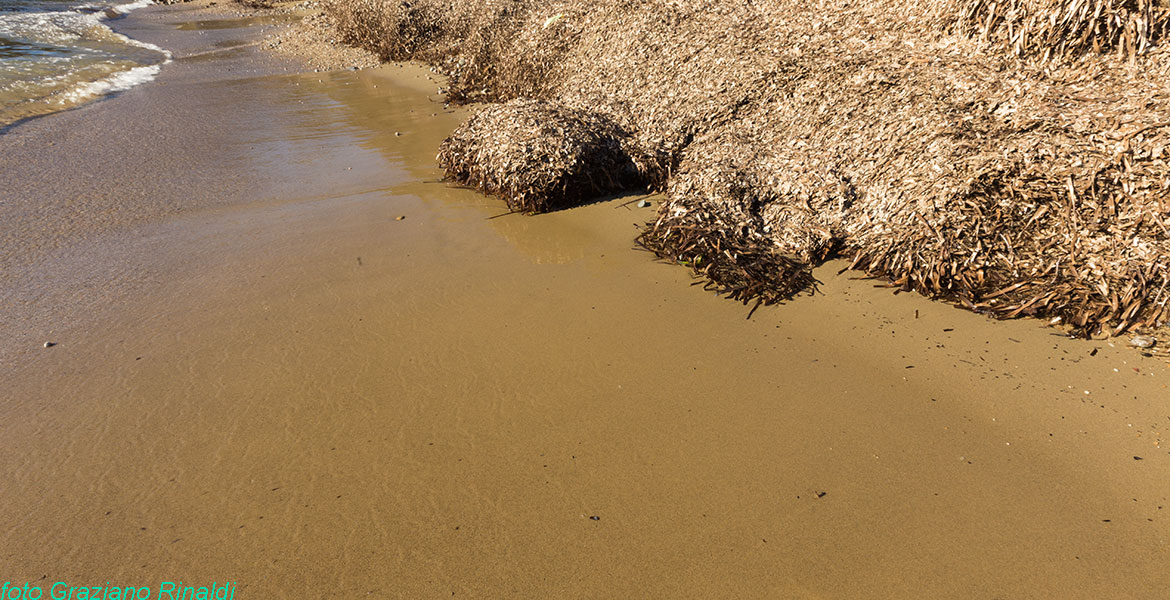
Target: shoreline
{"points": [[263, 375], [49, 98]]}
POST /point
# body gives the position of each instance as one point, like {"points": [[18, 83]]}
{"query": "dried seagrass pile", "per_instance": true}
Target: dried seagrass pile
{"points": [[1007, 156], [539, 156]]}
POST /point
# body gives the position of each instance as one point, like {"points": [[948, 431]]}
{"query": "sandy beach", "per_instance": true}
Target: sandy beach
{"points": [[286, 355]]}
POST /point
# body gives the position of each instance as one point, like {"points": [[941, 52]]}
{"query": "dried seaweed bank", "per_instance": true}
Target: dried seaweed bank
{"points": [[1009, 157]]}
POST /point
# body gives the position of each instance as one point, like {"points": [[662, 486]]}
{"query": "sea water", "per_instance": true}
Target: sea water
{"points": [[55, 54]]}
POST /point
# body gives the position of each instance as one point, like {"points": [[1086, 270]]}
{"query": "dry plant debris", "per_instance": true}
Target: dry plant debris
{"points": [[540, 156], [1007, 156], [1067, 27]]}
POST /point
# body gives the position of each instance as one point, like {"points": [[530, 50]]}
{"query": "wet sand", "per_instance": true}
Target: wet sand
{"points": [[264, 375]]}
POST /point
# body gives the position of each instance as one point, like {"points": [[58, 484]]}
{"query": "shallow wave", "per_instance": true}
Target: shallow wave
{"points": [[122, 80], [53, 58], [123, 9]]}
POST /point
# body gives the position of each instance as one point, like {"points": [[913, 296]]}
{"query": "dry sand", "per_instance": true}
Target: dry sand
{"points": [[264, 375]]}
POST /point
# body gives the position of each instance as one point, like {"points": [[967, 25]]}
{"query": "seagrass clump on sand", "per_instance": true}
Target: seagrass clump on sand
{"points": [[736, 261], [539, 156], [1011, 157], [394, 30]]}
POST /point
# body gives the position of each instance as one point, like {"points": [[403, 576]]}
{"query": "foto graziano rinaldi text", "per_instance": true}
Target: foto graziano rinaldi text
{"points": [[166, 590]]}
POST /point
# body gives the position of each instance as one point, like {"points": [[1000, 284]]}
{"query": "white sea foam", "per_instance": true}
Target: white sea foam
{"points": [[147, 45], [48, 27], [67, 27], [126, 8], [122, 80], [85, 42], [117, 9]]}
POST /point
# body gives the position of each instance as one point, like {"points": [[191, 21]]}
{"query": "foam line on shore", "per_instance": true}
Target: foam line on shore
{"points": [[120, 81]]}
